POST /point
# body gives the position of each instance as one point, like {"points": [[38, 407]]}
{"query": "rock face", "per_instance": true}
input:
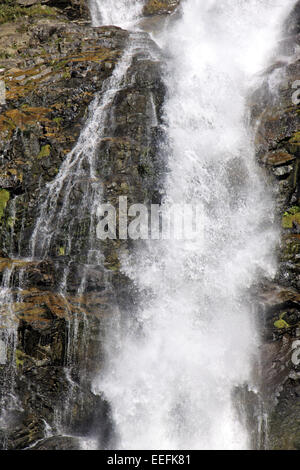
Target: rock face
{"points": [[160, 7], [51, 338], [275, 107], [72, 9], [53, 64]]}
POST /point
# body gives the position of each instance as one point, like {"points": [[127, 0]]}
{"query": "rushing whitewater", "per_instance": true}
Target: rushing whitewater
{"points": [[172, 367]]}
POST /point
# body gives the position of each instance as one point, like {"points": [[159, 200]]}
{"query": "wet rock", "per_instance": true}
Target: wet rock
{"points": [[38, 129], [25, 436], [160, 7], [276, 114], [292, 24], [58, 443], [73, 9], [55, 309]]}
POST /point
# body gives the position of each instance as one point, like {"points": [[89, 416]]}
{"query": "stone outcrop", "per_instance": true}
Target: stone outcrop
{"points": [[53, 63], [275, 107], [160, 7], [52, 70], [11, 10], [72, 9]]}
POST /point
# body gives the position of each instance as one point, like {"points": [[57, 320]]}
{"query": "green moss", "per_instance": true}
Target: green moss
{"points": [[57, 120], [290, 217], [10, 222], [281, 323], [290, 248], [58, 65], [44, 152], [67, 74], [293, 210], [19, 355], [295, 138], [294, 143], [4, 198], [61, 251]]}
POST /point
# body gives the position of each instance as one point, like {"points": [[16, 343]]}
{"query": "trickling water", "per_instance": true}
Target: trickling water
{"points": [[68, 202], [9, 403], [58, 215], [66, 226], [171, 370]]}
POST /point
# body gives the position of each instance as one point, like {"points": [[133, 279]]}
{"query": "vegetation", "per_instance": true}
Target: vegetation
{"points": [[291, 217], [45, 151], [4, 198], [11, 11]]}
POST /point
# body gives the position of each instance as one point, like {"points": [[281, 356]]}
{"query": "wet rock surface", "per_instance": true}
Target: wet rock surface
{"points": [[53, 337], [58, 443], [160, 7], [11, 10], [53, 63], [276, 111]]}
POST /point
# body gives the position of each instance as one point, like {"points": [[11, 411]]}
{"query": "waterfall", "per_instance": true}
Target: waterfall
{"points": [[172, 366], [57, 221], [185, 344], [123, 13]]}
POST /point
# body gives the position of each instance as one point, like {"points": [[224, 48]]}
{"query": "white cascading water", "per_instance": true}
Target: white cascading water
{"points": [[122, 13], [171, 370]]}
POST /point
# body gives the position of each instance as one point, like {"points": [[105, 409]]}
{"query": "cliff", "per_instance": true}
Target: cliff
{"points": [[275, 114], [54, 64]]}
